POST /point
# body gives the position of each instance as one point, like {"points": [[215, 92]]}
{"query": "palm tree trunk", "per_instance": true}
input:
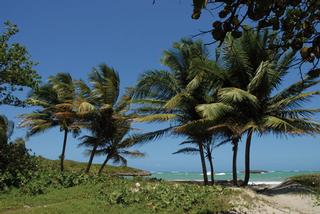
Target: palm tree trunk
{"points": [[234, 161], [247, 158], [211, 167], [203, 163], [63, 150], [91, 158], [103, 165]]}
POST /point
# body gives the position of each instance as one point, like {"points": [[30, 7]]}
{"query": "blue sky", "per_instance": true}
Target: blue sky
{"points": [[76, 35]]}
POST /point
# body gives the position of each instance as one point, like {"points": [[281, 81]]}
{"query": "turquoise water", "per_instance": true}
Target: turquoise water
{"points": [[271, 176]]}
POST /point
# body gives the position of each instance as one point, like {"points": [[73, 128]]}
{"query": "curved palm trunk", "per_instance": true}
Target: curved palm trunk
{"points": [[234, 161], [203, 163], [103, 165], [211, 167], [247, 158], [91, 158], [63, 150]]}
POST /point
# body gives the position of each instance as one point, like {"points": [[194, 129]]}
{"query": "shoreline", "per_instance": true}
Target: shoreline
{"points": [[223, 181], [229, 183]]}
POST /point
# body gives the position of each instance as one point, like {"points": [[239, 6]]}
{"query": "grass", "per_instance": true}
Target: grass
{"points": [[70, 165], [66, 200], [50, 191], [115, 195], [74, 192], [311, 181]]}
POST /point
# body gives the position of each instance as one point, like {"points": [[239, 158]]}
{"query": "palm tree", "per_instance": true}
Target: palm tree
{"points": [[228, 131], [6, 129], [193, 149], [56, 99], [99, 109], [171, 96], [116, 149], [256, 98]]}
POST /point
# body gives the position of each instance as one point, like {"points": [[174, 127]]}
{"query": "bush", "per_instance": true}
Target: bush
{"points": [[45, 179], [16, 164], [312, 180], [161, 196]]}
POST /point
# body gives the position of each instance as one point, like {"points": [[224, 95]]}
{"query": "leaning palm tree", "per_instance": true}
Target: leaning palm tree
{"points": [[256, 98], [171, 96], [99, 109], [117, 148], [56, 102]]}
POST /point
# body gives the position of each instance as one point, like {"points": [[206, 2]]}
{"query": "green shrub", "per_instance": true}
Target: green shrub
{"points": [[160, 196], [44, 179], [312, 180], [16, 164]]}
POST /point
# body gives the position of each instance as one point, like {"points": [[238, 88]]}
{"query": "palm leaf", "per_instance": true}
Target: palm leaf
{"points": [[156, 118], [187, 150]]}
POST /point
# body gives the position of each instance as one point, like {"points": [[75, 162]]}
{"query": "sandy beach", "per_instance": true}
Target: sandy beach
{"points": [[277, 204], [272, 197]]}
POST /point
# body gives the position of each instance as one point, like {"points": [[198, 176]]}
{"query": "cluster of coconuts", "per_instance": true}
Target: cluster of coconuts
{"points": [[295, 18]]}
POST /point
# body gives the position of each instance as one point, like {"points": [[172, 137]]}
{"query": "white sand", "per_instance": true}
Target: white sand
{"points": [[253, 203]]}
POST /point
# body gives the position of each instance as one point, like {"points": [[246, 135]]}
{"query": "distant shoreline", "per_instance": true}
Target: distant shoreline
{"points": [[270, 178], [229, 182]]}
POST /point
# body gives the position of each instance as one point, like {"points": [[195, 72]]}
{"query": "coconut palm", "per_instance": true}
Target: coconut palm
{"points": [[6, 129], [116, 149], [99, 109], [193, 149], [171, 96], [256, 98], [55, 99]]}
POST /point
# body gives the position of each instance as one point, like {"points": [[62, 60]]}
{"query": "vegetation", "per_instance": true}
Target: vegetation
{"points": [[104, 116], [16, 68], [249, 102], [74, 166], [208, 101], [56, 101], [73, 191], [16, 164], [297, 21], [120, 196], [311, 181], [168, 96]]}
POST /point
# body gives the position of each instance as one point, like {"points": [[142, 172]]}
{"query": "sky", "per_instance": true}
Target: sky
{"points": [[76, 35]]}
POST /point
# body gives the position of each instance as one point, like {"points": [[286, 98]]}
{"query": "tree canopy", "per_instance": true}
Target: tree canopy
{"points": [[16, 68], [296, 20]]}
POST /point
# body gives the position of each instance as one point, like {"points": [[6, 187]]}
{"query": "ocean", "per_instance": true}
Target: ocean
{"points": [[269, 177]]}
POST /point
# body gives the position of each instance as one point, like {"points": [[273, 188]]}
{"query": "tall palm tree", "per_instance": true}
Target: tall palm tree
{"points": [[6, 129], [99, 109], [228, 131], [256, 98], [193, 149], [56, 102], [171, 96]]}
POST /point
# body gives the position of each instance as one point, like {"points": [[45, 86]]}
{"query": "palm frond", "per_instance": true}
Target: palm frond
{"points": [[293, 101], [156, 118], [133, 154], [147, 137], [187, 150], [214, 111], [105, 82], [157, 84], [118, 159]]}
